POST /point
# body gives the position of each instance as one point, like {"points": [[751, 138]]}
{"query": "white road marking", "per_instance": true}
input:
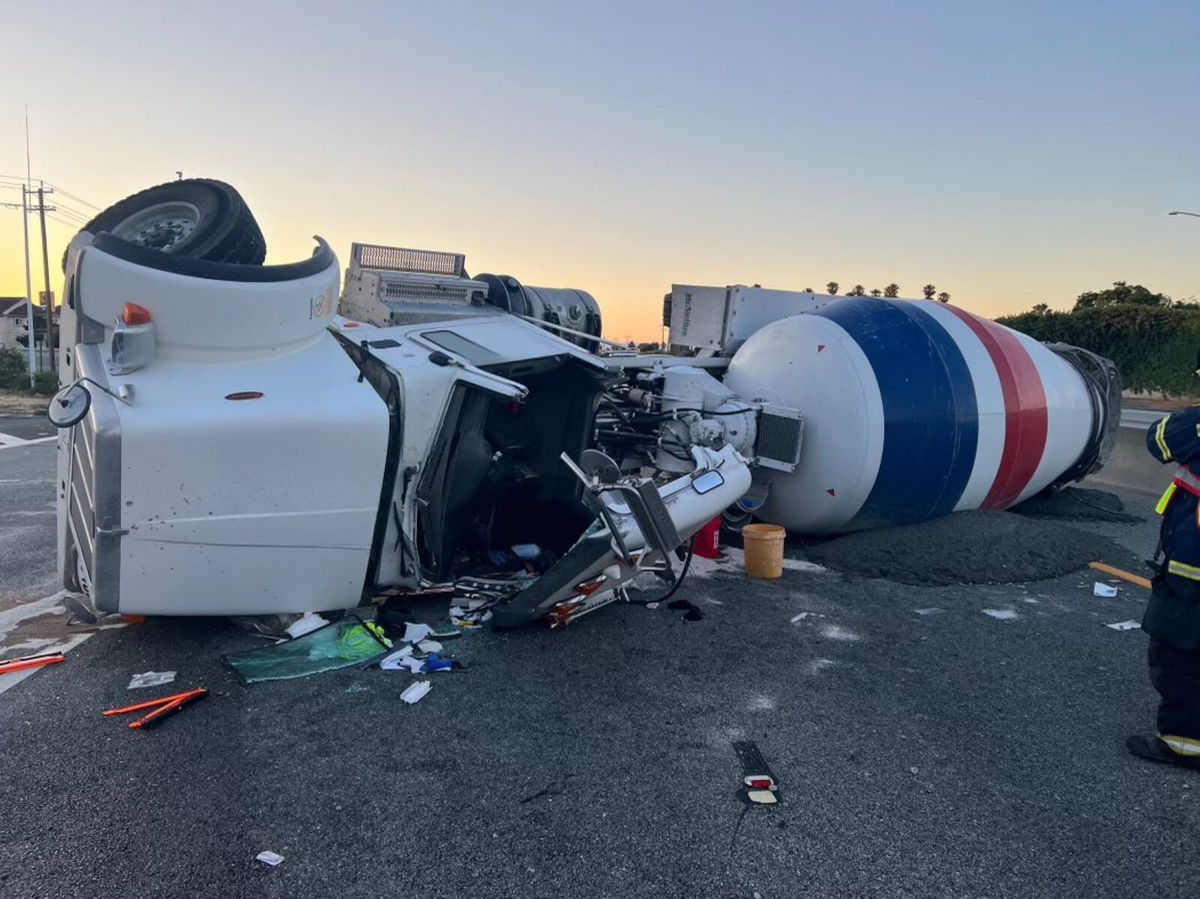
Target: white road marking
{"points": [[8, 441], [8, 681]]}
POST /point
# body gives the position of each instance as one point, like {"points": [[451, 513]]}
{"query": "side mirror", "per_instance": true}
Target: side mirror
{"points": [[68, 407]]}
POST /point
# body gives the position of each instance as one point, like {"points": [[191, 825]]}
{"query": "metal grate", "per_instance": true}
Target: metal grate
{"points": [[779, 440], [410, 292], [400, 259]]}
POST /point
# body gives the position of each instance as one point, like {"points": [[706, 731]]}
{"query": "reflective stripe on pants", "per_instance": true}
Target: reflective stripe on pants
{"points": [[1191, 572]]}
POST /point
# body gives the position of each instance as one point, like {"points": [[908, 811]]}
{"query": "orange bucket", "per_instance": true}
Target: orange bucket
{"points": [[763, 544]]}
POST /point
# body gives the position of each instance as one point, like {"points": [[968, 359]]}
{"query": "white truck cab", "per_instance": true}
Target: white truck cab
{"points": [[230, 444]]}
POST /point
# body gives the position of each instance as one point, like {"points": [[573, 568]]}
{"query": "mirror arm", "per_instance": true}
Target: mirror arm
{"points": [[122, 399]]}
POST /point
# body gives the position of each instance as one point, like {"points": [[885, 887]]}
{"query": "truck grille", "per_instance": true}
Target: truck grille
{"points": [[81, 511]]}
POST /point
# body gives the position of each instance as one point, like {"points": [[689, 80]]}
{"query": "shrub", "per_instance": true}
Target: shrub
{"points": [[13, 373], [1153, 346], [45, 383]]}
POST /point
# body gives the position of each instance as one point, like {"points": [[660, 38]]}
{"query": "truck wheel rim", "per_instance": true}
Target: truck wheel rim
{"points": [[162, 226]]}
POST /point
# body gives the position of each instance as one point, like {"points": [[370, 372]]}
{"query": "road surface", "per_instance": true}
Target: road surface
{"points": [[924, 748]]}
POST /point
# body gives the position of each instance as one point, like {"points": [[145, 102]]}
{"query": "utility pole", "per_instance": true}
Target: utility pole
{"points": [[42, 210], [28, 280]]}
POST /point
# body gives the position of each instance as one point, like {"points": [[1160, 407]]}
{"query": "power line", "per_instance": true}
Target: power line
{"points": [[63, 221], [73, 197], [72, 213]]}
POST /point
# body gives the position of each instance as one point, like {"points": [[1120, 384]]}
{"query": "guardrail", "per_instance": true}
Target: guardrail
{"points": [[1131, 467]]}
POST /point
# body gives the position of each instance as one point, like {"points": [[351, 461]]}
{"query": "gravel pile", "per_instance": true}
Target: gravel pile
{"points": [[976, 547], [1079, 503]]}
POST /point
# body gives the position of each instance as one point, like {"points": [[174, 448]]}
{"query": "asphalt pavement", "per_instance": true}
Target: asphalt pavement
{"points": [[924, 748]]}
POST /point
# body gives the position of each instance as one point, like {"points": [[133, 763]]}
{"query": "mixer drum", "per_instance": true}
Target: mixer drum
{"points": [[912, 410]]}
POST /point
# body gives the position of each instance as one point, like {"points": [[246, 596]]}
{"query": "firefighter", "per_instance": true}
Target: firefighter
{"points": [[1172, 618]]}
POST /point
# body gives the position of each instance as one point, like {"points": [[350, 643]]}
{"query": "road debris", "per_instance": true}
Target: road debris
{"points": [[306, 623], [1105, 591], [21, 663], [341, 644], [415, 633], [158, 708], [1001, 614], [1125, 625], [267, 857], [1120, 573], [416, 691], [150, 679], [759, 785], [692, 612]]}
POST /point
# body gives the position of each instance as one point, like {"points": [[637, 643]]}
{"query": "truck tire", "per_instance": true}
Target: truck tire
{"points": [[196, 218]]}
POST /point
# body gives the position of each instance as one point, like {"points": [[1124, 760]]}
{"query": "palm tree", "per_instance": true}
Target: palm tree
{"points": [[943, 297], [832, 288], [892, 290], [876, 292], [929, 290]]}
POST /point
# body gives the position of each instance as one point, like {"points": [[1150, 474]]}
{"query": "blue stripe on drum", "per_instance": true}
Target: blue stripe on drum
{"points": [[931, 425]]}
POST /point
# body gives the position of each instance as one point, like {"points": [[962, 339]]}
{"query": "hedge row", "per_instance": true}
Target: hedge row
{"points": [[14, 374], [1153, 346]]}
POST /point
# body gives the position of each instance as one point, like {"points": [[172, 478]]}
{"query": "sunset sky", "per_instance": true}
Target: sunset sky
{"points": [[1010, 153]]}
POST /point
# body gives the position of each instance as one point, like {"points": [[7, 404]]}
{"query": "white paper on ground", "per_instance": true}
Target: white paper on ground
{"points": [[274, 859], [1125, 625], [415, 633], [150, 679], [1001, 614], [415, 691], [395, 661], [1105, 590], [430, 646]]}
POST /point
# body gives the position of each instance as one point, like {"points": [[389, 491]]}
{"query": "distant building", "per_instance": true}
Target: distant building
{"points": [[13, 321]]}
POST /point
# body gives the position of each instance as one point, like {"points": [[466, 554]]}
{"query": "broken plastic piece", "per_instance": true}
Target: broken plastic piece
{"points": [[1104, 590], [150, 679], [415, 633], [274, 859], [395, 661], [437, 663], [416, 691], [760, 782], [1124, 625], [762, 797], [430, 646], [306, 623]]}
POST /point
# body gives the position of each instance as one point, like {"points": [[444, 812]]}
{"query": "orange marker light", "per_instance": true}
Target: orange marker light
{"points": [[133, 314]]}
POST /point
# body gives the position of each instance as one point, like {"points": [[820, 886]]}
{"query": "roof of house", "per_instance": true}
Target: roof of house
{"points": [[13, 306]]}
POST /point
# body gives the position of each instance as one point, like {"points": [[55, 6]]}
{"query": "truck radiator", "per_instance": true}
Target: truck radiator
{"points": [[780, 438]]}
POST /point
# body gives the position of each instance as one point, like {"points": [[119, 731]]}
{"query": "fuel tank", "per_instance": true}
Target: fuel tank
{"points": [[916, 409]]}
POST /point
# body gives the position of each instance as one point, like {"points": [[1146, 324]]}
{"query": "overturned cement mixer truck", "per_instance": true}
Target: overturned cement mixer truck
{"points": [[241, 438]]}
